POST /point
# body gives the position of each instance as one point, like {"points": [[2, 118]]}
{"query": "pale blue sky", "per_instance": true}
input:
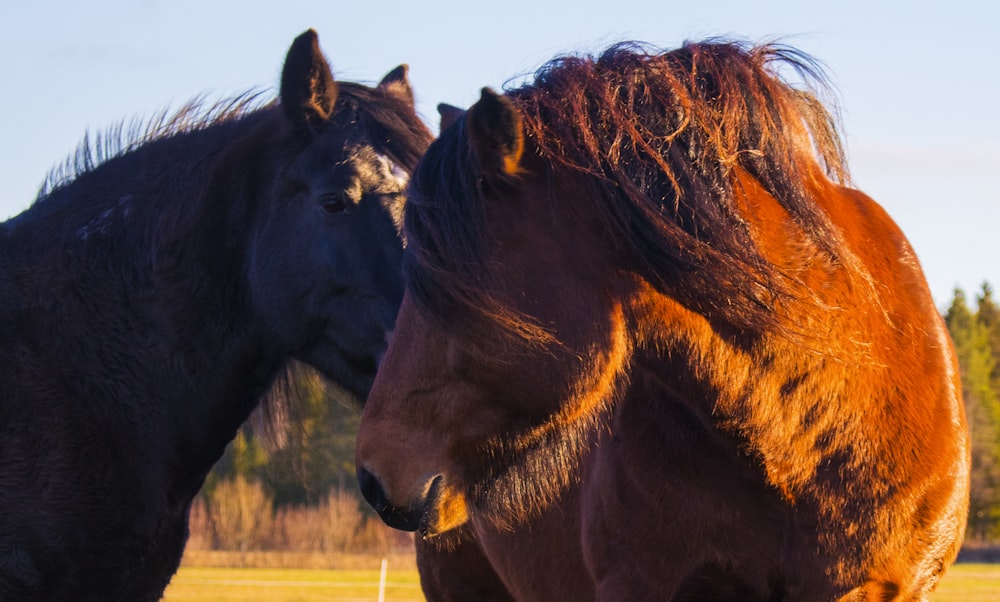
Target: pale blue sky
{"points": [[918, 81]]}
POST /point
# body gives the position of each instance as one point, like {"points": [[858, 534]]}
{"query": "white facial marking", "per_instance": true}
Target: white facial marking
{"points": [[393, 171]]}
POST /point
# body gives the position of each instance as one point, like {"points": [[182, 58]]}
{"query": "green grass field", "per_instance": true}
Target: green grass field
{"points": [[963, 583]]}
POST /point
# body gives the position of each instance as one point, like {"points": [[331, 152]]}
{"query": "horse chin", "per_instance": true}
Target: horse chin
{"points": [[353, 372]]}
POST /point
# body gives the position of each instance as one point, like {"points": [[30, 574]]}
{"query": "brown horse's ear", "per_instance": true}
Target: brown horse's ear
{"points": [[495, 134], [396, 83], [449, 115], [308, 91]]}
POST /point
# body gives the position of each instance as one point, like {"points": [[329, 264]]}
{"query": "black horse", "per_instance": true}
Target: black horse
{"points": [[149, 301]]}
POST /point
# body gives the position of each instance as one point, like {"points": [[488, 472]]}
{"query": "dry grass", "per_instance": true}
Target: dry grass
{"points": [[210, 577], [295, 560], [969, 583], [290, 585]]}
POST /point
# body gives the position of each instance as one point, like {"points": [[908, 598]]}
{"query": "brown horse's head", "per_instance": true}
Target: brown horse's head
{"points": [[494, 377]]}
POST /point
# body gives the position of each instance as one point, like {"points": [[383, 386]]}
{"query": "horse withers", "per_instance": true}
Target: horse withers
{"points": [[150, 298], [653, 347]]}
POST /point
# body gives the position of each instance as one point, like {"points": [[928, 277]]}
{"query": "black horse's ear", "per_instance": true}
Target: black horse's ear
{"points": [[495, 134], [308, 91], [397, 83], [449, 115]]}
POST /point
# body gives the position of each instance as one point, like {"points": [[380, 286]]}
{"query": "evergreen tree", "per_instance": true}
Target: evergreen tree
{"points": [[318, 455], [982, 406], [959, 318], [244, 457], [299, 445], [988, 315]]}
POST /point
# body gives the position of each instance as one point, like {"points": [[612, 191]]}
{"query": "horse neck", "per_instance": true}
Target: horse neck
{"points": [[155, 262], [199, 282], [723, 381], [701, 361]]}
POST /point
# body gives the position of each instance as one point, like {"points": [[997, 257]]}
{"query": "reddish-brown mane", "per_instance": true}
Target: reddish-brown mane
{"points": [[659, 139]]}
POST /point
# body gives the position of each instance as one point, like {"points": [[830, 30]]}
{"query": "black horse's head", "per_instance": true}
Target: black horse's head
{"points": [[324, 261]]}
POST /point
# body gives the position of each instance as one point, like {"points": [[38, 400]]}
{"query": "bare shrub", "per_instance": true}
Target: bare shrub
{"points": [[241, 515], [330, 526], [199, 526], [341, 517], [238, 516], [374, 537]]}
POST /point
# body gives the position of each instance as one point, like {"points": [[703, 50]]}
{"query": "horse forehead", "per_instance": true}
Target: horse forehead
{"points": [[378, 168], [357, 159], [393, 171]]}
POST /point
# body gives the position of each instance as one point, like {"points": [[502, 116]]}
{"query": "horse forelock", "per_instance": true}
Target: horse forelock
{"points": [[446, 249], [389, 123]]}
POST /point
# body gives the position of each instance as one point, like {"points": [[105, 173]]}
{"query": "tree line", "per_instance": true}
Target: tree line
{"points": [[975, 331], [287, 482]]}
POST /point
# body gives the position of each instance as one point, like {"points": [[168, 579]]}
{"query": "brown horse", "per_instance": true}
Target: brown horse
{"points": [[653, 347]]}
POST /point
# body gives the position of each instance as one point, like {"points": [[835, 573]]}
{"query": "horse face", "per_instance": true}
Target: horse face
{"points": [[494, 428], [325, 265], [326, 270], [450, 432]]}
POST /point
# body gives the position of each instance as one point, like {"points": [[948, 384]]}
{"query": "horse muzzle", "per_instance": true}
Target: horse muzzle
{"points": [[441, 509]]}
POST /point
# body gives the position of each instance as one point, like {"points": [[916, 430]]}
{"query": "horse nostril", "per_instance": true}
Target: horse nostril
{"points": [[405, 519], [372, 490]]}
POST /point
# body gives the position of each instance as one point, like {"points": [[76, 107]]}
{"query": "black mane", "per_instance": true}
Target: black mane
{"points": [[377, 113], [130, 135]]}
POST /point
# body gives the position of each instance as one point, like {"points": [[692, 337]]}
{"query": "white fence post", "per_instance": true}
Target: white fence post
{"points": [[381, 581]]}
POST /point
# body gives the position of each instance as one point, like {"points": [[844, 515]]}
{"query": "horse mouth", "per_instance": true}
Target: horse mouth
{"points": [[404, 520], [354, 372], [441, 510]]}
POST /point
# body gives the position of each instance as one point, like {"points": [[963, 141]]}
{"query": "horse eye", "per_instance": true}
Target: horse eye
{"points": [[334, 203]]}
